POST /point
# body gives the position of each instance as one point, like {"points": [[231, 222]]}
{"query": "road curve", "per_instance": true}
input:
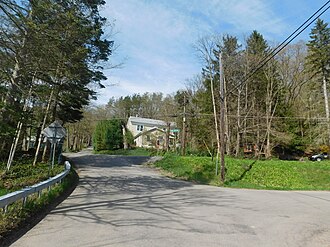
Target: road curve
{"points": [[120, 202]]}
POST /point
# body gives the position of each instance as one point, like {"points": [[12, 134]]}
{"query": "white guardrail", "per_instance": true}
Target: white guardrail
{"points": [[10, 198]]}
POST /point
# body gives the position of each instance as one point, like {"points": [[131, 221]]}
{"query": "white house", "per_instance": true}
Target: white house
{"points": [[150, 133]]}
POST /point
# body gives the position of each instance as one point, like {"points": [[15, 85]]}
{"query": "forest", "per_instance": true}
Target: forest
{"points": [[52, 56], [278, 109]]}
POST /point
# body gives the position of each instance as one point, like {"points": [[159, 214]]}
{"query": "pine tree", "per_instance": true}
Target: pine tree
{"points": [[51, 53], [255, 87], [319, 60]]}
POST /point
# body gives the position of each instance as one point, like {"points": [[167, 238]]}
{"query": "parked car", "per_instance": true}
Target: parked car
{"points": [[319, 157]]}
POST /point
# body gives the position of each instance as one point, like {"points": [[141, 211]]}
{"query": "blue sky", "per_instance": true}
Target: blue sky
{"points": [[155, 38]]}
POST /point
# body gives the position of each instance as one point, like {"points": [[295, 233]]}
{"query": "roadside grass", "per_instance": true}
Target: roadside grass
{"points": [[23, 174], [245, 173], [131, 152]]}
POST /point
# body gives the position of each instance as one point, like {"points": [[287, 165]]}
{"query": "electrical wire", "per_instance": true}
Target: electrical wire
{"points": [[285, 43]]}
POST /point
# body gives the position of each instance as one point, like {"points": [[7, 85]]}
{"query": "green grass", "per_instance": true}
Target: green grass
{"points": [[131, 152], [17, 215], [23, 174], [244, 173]]}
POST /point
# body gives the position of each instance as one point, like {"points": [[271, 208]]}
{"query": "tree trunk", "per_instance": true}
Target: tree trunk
{"points": [[28, 144], [183, 147], [258, 132], [215, 122], [238, 127], [124, 135], [18, 133], [75, 142], [227, 129], [42, 128], [244, 131], [68, 138], [222, 120], [44, 153], [24, 142], [326, 104], [268, 113]]}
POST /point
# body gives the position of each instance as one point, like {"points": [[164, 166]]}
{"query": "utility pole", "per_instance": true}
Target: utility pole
{"points": [[222, 120], [184, 127], [167, 140]]}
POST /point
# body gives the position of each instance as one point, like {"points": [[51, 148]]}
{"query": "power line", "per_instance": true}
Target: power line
{"points": [[198, 115], [264, 117], [286, 42]]}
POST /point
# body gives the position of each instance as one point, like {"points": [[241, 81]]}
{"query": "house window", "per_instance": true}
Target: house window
{"points": [[139, 127]]}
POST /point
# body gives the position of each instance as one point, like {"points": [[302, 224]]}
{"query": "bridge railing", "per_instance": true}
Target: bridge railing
{"points": [[23, 194]]}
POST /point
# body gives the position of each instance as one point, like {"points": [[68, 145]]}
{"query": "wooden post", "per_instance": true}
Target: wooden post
{"points": [[184, 127]]}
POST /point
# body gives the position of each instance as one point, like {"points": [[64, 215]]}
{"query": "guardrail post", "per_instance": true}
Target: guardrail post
{"points": [[67, 165], [24, 201]]}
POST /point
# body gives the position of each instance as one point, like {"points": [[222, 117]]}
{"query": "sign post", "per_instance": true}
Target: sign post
{"points": [[54, 133]]}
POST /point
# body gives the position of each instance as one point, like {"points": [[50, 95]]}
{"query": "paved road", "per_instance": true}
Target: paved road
{"points": [[121, 203]]}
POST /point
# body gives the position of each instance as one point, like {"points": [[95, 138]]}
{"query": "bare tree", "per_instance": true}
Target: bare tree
{"points": [[206, 47]]}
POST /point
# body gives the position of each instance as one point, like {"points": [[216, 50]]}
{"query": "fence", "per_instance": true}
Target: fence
{"points": [[23, 194]]}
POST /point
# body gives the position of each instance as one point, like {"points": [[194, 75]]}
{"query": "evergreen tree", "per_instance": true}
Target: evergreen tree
{"points": [[51, 53], [108, 135], [319, 48], [255, 87], [319, 61]]}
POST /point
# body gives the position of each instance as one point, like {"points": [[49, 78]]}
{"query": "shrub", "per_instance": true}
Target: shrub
{"points": [[129, 138], [108, 135]]}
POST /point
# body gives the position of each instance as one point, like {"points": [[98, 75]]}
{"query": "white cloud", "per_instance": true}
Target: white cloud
{"points": [[241, 15], [157, 36], [157, 41]]}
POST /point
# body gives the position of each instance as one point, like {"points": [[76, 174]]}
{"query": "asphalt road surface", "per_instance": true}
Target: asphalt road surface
{"points": [[120, 202]]}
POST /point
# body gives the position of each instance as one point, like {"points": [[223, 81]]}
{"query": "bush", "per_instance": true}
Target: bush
{"points": [[108, 135], [129, 138]]}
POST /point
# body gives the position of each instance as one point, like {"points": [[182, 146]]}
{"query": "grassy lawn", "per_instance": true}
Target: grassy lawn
{"points": [[244, 173], [131, 152]]}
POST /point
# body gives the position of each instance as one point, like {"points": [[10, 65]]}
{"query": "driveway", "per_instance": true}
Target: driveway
{"points": [[120, 202]]}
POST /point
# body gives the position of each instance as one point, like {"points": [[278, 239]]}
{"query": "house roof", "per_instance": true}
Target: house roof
{"points": [[150, 122]]}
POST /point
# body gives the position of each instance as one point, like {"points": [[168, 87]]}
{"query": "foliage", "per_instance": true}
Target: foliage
{"points": [[319, 47], [277, 107], [318, 61], [52, 55], [245, 173], [129, 138], [145, 105], [23, 174], [108, 135]]}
